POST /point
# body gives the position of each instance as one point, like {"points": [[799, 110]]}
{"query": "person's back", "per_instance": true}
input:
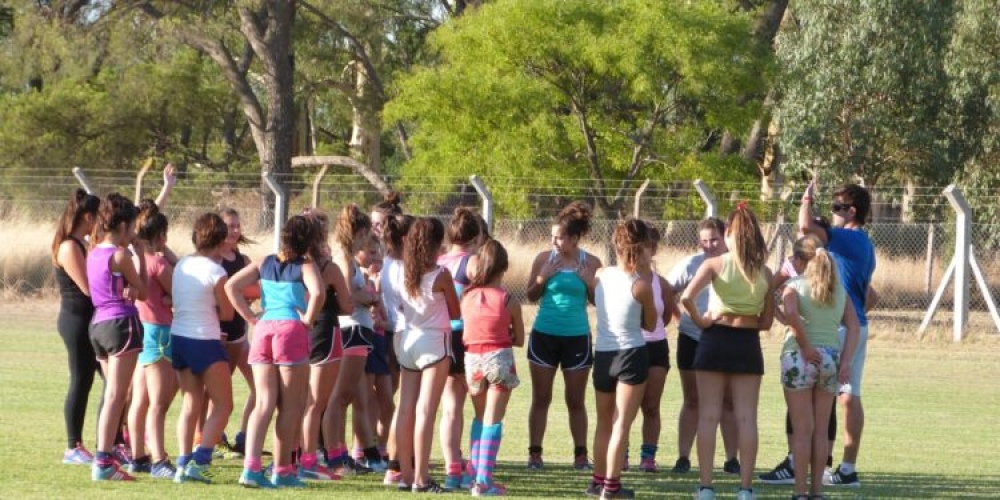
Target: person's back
{"points": [[194, 281], [733, 294], [821, 320], [855, 257]]}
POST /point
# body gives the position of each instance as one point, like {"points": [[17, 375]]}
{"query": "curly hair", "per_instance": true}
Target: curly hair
{"points": [[575, 219], [350, 222], [80, 204], [151, 222], [464, 227], [420, 250], [321, 231], [209, 231], [631, 238]]}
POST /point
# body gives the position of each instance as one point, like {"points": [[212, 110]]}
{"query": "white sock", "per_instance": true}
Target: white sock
{"points": [[847, 467]]}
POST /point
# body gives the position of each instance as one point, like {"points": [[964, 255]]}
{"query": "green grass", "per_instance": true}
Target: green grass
{"points": [[931, 430]]}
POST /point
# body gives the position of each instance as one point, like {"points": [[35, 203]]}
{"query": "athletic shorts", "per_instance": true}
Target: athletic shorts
{"points": [[377, 362], [279, 342], [324, 344], [659, 354], [155, 343], [235, 330], [115, 337], [457, 353], [627, 366], [356, 340], [729, 350], [857, 363], [686, 349], [494, 369], [550, 351], [196, 355], [419, 349], [797, 374]]}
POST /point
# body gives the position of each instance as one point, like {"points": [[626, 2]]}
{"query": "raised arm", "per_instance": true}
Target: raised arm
{"points": [[806, 224], [169, 179]]}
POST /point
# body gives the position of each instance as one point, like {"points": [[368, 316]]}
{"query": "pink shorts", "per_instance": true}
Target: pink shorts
{"points": [[284, 342]]}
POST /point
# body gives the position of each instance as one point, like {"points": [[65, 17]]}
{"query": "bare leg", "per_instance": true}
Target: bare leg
{"points": [[745, 391], [541, 398], [710, 394], [432, 380]]}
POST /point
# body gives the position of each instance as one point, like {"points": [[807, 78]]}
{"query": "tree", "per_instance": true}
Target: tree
{"points": [[547, 90]]}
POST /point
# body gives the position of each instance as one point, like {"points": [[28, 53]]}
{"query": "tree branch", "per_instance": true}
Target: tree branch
{"points": [[357, 46], [344, 161]]}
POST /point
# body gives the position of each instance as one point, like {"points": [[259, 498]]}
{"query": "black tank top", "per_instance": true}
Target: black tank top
{"points": [[327, 319], [71, 297], [236, 327]]}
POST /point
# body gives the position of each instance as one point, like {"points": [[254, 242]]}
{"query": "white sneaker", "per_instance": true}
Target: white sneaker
{"points": [[704, 494], [746, 495]]}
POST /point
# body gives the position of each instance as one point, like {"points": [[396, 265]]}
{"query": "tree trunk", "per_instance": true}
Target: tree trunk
{"points": [[909, 194], [366, 131]]}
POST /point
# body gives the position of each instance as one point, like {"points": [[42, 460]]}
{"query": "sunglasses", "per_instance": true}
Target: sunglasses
{"points": [[837, 207]]}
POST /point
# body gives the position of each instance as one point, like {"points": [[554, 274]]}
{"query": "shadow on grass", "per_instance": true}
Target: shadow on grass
{"points": [[562, 481]]}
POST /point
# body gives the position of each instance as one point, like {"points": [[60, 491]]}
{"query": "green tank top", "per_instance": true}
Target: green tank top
{"points": [[733, 294], [562, 310], [821, 322]]}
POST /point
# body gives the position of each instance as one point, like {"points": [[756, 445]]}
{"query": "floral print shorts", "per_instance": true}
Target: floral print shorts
{"points": [[493, 368], [798, 374]]}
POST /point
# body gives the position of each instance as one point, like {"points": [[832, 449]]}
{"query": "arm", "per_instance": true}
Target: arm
{"points": [[170, 256], [251, 292], [589, 276], [667, 296], [123, 263], [871, 299], [806, 224], [169, 179], [222, 302], [790, 299], [642, 291], [516, 322], [165, 278], [334, 277], [361, 297], [234, 291], [541, 270], [444, 284], [853, 327], [71, 259], [706, 273], [317, 292], [766, 317]]}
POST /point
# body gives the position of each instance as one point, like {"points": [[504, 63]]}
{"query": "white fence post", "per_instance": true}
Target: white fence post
{"points": [[316, 184], [487, 196], [638, 198], [279, 208], [82, 179], [712, 207], [963, 243], [139, 177]]}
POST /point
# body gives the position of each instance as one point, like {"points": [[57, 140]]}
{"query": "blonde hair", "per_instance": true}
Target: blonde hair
{"points": [[820, 272], [749, 250]]}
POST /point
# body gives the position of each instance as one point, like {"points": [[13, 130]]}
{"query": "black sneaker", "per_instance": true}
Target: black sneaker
{"points": [[839, 478], [782, 474], [594, 489], [619, 493], [682, 466], [431, 487], [732, 466]]}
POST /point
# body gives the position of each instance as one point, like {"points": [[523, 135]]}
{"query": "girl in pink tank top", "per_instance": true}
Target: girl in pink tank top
{"points": [[493, 325]]}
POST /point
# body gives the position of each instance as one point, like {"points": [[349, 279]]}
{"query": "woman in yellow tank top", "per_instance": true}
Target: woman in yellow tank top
{"points": [[729, 353]]}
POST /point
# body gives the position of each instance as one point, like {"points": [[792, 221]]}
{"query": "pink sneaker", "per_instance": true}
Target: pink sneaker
{"points": [[647, 465], [78, 456]]}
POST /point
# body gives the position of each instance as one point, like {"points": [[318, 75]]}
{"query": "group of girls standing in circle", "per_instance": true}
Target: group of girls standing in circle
{"points": [[405, 303]]}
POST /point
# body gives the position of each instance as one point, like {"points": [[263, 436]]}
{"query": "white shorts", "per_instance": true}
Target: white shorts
{"points": [[417, 349], [857, 363]]}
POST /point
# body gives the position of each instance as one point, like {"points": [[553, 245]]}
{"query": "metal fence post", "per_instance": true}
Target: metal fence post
{"points": [[638, 198], [316, 183], [487, 196], [139, 177], [963, 242], [279, 207], [712, 207], [82, 179]]}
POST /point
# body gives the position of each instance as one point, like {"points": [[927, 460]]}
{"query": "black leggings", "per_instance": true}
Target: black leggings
{"points": [[73, 328], [831, 428]]}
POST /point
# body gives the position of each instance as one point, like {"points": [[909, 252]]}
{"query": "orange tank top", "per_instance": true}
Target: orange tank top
{"points": [[487, 320]]}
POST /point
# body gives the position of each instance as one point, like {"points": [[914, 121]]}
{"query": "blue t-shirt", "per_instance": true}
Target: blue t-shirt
{"points": [[855, 257], [282, 292]]}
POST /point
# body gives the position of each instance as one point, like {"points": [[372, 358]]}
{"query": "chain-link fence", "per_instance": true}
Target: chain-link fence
{"points": [[913, 232]]}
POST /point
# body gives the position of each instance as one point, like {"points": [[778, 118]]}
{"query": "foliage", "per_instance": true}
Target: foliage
{"points": [[549, 90]]}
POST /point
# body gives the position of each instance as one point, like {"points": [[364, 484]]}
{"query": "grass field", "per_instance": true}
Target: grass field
{"points": [[931, 432]]}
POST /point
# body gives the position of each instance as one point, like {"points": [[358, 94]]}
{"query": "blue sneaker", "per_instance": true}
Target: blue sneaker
{"points": [[289, 481], [452, 482], [163, 470], [109, 473], [377, 466], [257, 479], [316, 473], [194, 472], [78, 455], [140, 466]]}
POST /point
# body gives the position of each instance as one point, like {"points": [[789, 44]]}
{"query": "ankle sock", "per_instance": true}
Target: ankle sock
{"points": [[308, 460], [253, 464], [612, 484], [647, 451], [203, 455], [846, 467]]}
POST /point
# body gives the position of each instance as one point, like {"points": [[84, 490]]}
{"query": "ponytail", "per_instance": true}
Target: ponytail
{"points": [[749, 250], [820, 272]]}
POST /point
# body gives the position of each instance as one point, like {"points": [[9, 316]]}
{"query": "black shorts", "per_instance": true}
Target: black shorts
{"points": [[659, 354], [321, 343], [730, 350], [235, 329], [628, 366], [686, 349], [550, 351], [457, 354], [356, 337], [115, 337], [390, 350], [377, 362]]}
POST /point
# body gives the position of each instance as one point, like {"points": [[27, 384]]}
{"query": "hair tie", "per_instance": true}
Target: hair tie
{"points": [[741, 205]]}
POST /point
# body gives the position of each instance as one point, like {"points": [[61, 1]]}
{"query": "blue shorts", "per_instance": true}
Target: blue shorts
{"points": [[378, 359], [155, 343], [195, 354]]}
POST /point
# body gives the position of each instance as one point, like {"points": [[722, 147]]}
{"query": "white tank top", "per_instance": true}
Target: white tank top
{"points": [[660, 332], [362, 316], [427, 311], [619, 315]]}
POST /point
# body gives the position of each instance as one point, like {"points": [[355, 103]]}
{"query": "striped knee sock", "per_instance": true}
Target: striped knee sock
{"points": [[475, 439], [489, 446]]}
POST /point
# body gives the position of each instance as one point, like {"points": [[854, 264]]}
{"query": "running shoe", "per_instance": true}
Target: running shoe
{"points": [[78, 455], [682, 466], [109, 473], [317, 473], [781, 474], [376, 465], [581, 462], [594, 489], [746, 494], [289, 481], [122, 454], [392, 478], [535, 461], [492, 490], [840, 478], [452, 482], [431, 487], [619, 493], [163, 470], [648, 465], [347, 467], [194, 472], [732, 466], [403, 487], [140, 466], [704, 493], [257, 479]]}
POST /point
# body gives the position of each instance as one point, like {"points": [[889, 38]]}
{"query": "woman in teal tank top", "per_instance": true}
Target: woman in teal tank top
{"points": [[562, 281]]}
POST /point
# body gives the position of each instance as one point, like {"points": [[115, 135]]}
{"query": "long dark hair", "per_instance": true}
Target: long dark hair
{"points": [[493, 262], [80, 204], [115, 210], [421, 248]]}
